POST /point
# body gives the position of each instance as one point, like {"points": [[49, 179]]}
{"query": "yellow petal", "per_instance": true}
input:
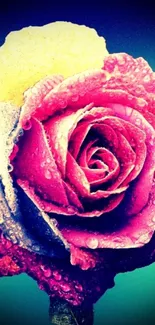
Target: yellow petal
{"points": [[35, 52]]}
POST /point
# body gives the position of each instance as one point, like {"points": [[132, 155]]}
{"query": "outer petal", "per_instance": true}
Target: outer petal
{"points": [[76, 92], [139, 197], [34, 52], [135, 232], [35, 163]]}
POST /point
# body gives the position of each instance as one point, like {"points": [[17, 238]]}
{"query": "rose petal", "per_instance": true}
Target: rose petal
{"points": [[76, 176], [77, 138], [72, 197], [135, 233], [34, 95], [74, 91], [121, 149], [136, 137], [98, 176], [58, 130], [139, 75], [84, 259], [42, 204], [145, 179], [35, 163]]}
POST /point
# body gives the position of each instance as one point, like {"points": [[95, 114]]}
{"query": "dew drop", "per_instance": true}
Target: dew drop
{"points": [[41, 287], [152, 142], [27, 125], [48, 174], [117, 240], [141, 102], [65, 287], [55, 288], [70, 210], [10, 168], [42, 164], [21, 133], [75, 303], [75, 98], [78, 287], [48, 273], [36, 248], [13, 239], [146, 78], [92, 243], [144, 238], [138, 122], [57, 276], [48, 160]]}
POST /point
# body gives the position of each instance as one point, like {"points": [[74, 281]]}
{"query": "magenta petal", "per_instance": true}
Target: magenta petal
{"points": [[35, 163], [83, 258], [34, 96], [73, 197], [75, 92], [59, 129], [77, 138], [107, 205], [104, 194], [121, 149], [41, 203], [76, 176], [136, 233], [137, 73], [112, 164], [143, 185]]}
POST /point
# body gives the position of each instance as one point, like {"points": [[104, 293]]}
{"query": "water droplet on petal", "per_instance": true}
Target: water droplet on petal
{"points": [[48, 174], [48, 160], [138, 122], [70, 210], [57, 276], [55, 288], [78, 287], [146, 78], [10, 168], [92, 243], [152, 142], [144, 238], [65, 287], [35, 248], [75, 303], [27, 125]]}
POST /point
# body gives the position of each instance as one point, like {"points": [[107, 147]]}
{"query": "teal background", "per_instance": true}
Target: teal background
{"points": [[126, 29], [131, 301]]}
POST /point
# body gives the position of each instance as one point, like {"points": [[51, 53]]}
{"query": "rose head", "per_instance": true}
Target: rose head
{"points": [[87, 155]]}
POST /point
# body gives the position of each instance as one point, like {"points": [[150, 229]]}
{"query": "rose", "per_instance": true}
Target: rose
{"points": [[29, 55], [126, 96], [87, 155]]}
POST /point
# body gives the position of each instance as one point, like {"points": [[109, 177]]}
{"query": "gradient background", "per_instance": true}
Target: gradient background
{"points": [[126, 28]]}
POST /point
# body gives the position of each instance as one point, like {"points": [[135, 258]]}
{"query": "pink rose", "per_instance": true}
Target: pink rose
{"points": [[87, 156]]}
